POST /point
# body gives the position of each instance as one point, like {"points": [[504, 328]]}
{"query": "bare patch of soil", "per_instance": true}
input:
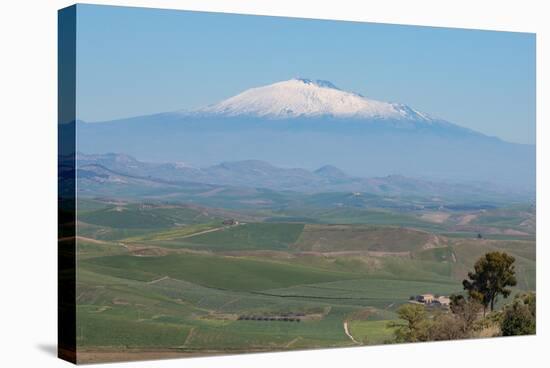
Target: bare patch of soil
{"points": [[436, 217]]}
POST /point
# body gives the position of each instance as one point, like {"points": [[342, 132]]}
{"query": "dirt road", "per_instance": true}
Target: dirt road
{"points": [[209, 231], [346, 330]]}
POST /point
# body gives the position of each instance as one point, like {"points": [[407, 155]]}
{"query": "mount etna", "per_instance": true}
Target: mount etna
{"points": [[309, 124]]}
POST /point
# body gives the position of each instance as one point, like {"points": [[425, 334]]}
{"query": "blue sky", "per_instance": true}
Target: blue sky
{"points": [[135, 61]]}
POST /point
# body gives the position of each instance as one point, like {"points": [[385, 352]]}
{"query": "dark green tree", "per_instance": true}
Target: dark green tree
{"points": [[519, 318], [492, 274]]}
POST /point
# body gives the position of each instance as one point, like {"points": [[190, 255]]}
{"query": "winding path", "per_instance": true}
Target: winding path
{"points": [[346, 330]]}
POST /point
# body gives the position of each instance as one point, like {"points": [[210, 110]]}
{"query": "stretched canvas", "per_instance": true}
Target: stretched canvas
{"points": [[237, 183]]}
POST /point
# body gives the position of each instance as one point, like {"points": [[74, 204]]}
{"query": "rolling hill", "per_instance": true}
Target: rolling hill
{"points": [[113, 168]]}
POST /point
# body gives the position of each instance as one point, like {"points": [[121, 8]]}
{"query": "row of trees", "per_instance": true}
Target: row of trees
{"points": [[492, 274]]}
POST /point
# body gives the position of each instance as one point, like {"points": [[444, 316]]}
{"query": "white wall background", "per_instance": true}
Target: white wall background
{"points": [[28, 144]]}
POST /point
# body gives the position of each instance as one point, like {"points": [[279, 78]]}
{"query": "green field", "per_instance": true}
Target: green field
{"points": [[214, 271], [361, 237], [371, 332], [269, 236]]}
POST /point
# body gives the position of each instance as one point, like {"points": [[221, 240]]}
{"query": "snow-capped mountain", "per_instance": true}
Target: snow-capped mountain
{"points": [[308, 124], [310, 98]]}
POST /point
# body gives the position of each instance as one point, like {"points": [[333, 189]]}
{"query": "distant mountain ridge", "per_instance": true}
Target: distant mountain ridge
{"points": [[331, 172], [259, 174]]}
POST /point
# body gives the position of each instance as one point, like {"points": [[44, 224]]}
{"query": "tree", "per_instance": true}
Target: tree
{"points": [[446, 326], [492, 274], [466, 311], [416, 327], [519, 318]]}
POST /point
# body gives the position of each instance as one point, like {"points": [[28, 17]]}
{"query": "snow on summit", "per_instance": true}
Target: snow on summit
{"points": [[305, 97]]}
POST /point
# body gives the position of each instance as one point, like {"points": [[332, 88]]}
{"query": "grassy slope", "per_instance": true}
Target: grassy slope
{"points": [[370, 291], [361, 237], [118, 312], [134, 216], [469, 251], [213, 271], [371, 332], [276, 236]]}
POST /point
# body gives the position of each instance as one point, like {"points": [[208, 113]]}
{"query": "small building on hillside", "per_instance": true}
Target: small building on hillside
{"points": [[432, 300], [230, 222], [425, 298], [443, 301]]}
